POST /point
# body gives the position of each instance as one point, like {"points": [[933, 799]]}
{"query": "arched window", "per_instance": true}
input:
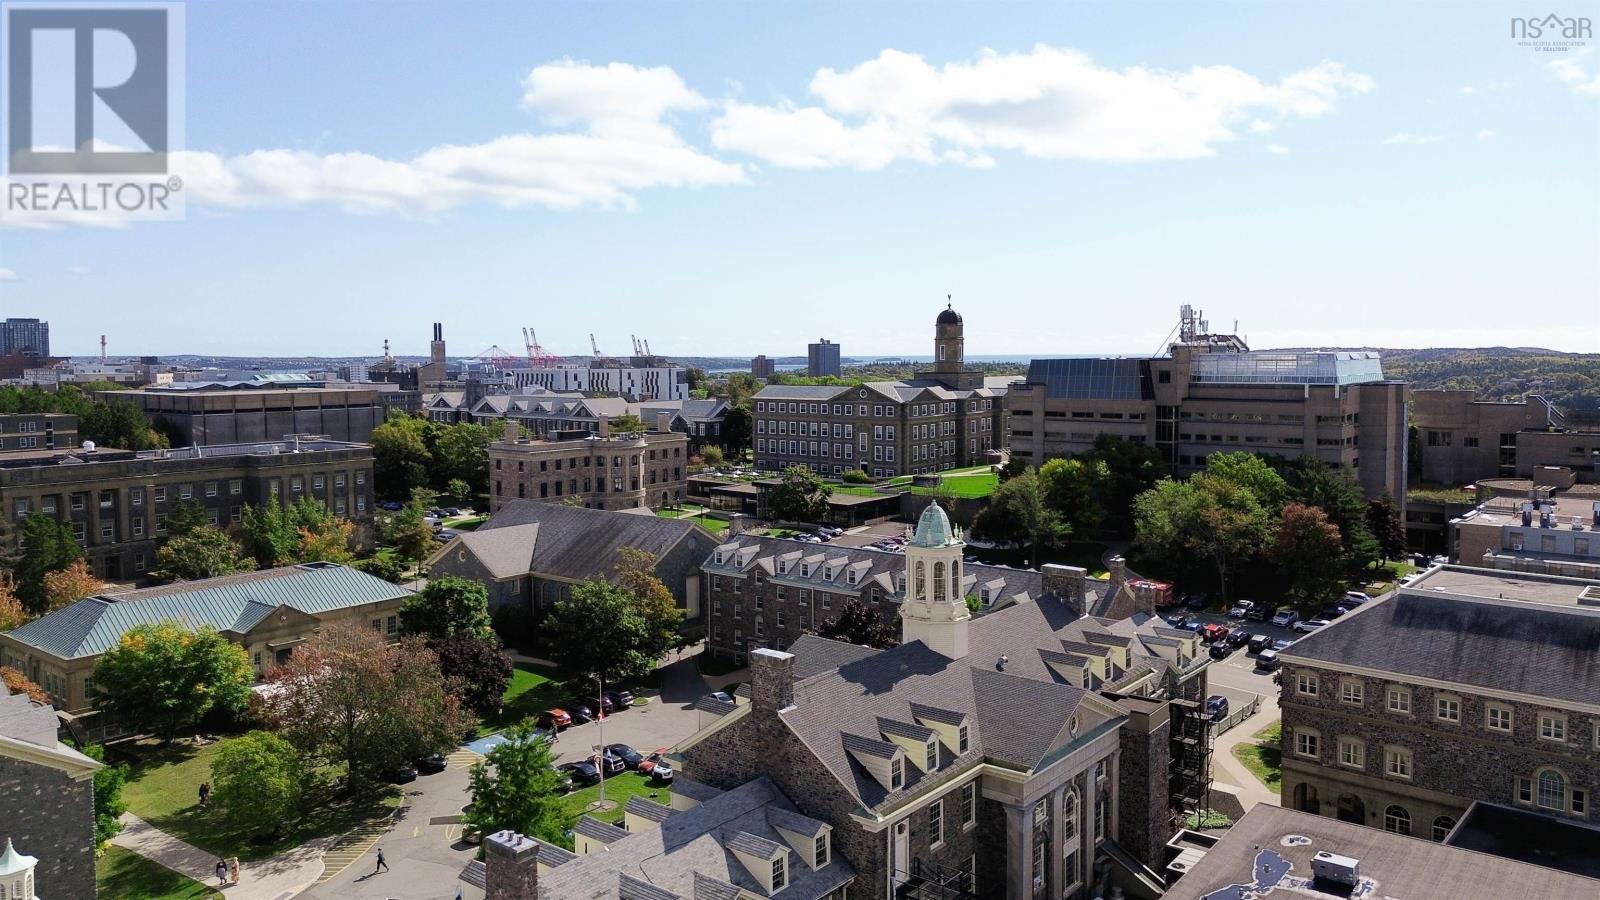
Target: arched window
{"points": [[1442, 826], [1069, 815], [938, 582], [922, 581], [955, 579], [1552, 790], [1397, 820]]}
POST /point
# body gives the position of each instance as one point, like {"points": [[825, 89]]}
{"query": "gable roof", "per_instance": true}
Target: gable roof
{"points": [[229, 603], [568, 542], [504, 552], [28, 732]]}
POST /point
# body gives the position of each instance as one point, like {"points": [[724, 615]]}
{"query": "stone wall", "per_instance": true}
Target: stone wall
{"points": [[1143, 819], [49, 816]]}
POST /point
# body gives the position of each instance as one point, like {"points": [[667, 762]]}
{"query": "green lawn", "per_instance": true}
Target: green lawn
{"points": [[618, 788], [1264, 758], [1441, 494], [162, 789], [695, 514], [967, 487], [465, 523], [125, 875], [532, 690]]}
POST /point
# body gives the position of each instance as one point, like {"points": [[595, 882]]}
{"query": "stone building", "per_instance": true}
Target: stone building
{"points": [[603, 470], [985, 756], [117, 501], [46, 805], [1212, 394], [38, 431], [1462, 439], [946, 418], [1466, 685], [244, 412], [267, 612]]}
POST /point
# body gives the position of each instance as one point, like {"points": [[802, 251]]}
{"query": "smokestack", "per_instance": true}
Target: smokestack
{"points": [[663, 422]]}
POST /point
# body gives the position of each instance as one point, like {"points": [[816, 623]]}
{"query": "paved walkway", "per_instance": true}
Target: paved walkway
{"points": [[278, 878], [1228, 769]]}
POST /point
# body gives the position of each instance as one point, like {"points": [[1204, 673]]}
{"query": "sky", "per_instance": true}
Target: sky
{"points": [[733, 179]]}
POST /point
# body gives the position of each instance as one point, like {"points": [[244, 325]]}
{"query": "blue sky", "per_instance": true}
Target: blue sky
{"points": [[742, 178]]}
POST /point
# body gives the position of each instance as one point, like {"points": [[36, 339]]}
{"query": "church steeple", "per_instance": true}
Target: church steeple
{"points": [[935, 608]]}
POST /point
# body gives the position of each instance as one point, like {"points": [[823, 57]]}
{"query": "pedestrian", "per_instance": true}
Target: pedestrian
{"points": [[205, 793], [222, 872], [382, 866]]}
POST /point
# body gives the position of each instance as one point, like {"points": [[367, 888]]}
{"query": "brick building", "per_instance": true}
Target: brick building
{"points": [[117, 501], [1467, 685], [946, 418], [38, 431], [46, 804], [603, 470]]}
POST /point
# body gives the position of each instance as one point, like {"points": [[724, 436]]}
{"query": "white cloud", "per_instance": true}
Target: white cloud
{"points": [[1277, 149], [1570, 72], [1406, 137], [7, 274], [1048, 103], [1485, 134], [77, 270]]}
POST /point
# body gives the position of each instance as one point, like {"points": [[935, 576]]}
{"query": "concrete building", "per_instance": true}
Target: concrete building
{"points": [[1212, 394], [1548, 526], [822, 358], [267, 612], [946, 418], [1019, 753], [241, 412], [638, 378], [1468, 685], [761, 367], [1462, 439], [46, 805], [603, 470], [28, 337], [117, 501], [37, 431]]}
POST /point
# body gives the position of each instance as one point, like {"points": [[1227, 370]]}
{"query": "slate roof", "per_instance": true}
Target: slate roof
{"points": [[691, 854], [574, 543], [1525, 648], [229, 603], [800, 391], [506, 552], [815, 654], [647, 809], [24, 722]]}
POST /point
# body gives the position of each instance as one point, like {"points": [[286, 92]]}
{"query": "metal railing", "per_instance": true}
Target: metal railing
{"points": [[1236, 716]]}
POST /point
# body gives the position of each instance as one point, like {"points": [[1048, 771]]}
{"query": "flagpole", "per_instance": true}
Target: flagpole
{"points": [[600, 706]]}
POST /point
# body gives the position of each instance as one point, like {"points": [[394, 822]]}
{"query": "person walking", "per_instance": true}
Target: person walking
{"points": [[382, 866], [222, 872], [205, 793]]}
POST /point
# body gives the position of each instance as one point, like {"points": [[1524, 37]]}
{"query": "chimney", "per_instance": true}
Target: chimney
{"points": [[604, 427], [771, 680], [663, 422], [511, 431], [510, 867], [1069, 583], [1119, 571], [738, 523]]}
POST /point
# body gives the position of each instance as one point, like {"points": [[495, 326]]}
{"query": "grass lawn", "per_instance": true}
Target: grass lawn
{"points": [[126, 875], [1441, 494], [162, 789], [532, 690], [695, 514], [1264, 758], [969, 487], [465, 523], [618, 788]]}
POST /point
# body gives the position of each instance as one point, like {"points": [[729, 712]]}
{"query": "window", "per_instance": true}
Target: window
{"points": [[820, 851], [1400, 701], [969, 803], [1100, 818], [780, 874], [1305, 683], [897, 773], [1442, 826], [961, 740], [1397, 820], [1552, 727], [1350, 692], [1447, 708], [936, 823], [1038, 866], [932, 757], [1352, 753], [1552, 790], [1306, 743], [1397, 762], [1497, 718]]}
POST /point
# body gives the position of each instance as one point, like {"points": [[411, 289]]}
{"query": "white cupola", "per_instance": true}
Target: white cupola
{"points": [[934, 610], [16, 874]]}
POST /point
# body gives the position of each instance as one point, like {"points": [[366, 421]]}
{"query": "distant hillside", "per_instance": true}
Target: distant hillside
{"points": [[1500, 373]]}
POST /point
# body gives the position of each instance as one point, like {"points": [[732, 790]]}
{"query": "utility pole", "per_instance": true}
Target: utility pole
{"points": [[600, 721]]}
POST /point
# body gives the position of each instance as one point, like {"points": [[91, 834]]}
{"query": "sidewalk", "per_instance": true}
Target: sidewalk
{"points": [[281, 876], [1225, 768]]}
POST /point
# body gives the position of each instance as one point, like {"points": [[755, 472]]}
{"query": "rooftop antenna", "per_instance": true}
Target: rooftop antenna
{"points": [[386, 348]]}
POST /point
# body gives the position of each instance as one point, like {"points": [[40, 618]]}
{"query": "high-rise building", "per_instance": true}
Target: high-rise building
{"points": [[761, 367], [822, 358], [30, 336]]}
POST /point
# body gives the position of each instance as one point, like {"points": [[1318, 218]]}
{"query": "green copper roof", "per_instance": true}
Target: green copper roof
{"points": [[933, 528]]}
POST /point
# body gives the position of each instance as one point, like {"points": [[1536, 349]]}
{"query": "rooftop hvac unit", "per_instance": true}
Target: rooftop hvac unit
{"points": [[1345, 870]]}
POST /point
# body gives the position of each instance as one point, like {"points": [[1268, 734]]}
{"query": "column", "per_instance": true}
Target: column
{"points": [[1019, 851]]}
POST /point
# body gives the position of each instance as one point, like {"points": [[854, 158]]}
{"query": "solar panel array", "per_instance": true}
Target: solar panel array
{"points": [[1092, 379]]}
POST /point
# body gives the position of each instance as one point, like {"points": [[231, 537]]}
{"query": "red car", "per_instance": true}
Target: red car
{"points": [[1213, 633], [554, 718]]}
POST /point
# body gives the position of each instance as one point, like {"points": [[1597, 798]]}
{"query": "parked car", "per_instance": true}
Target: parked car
{"points": [[1194, 626], [1260, 642], [579, 711], [620, 699], [613, 763], [390, 505], [548, 735], [1285, 618], [1221, 649], [599, 704], [660, 772], [1197, 600], [658, 759], [1238, 638], [1217, 707], [724, 696], [1258, 613], [401, 774], [629, 756], [452, 511], [432, 764], [554, 718], [1332, 612], [1281, 644], [1240, 609], [445, 535], [1267, 659], [1355, 598], [1309, 625], [579, 774], [1214, 632], [1178, 620]]}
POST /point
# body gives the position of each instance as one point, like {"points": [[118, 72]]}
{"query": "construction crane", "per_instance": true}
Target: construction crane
{"points": [[638, 349], [594, 345], [538, 357], [647, 348]]}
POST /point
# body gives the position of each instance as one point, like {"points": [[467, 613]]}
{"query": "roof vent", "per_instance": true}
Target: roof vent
{"points": [[1000, 664], [1345, 870]]}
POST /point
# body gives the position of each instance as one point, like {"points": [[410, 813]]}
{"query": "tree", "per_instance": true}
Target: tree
{"points": [[636, 574], [411, 534], [256, 782], [18, 683], [400, 458], [524, 793], [458, 490], [46, 546], [712, 456], [386, 567], [738, 429], [12, 613], [204, 552], [1072, 489], [1252, 471], [626, 423], [349, 697], [1013, 466], [478, 668], [1205, 518], [461, 453], [1335, 491], [1383, 520], [447, 607], [118, 423], [108, 803], [600, 631], [1309, 553], [326, 542], [67, 586], [1131, 469], [801, 496], [863, 624], [272, 532], [164, 677], [1018, 514], [185, 517]]}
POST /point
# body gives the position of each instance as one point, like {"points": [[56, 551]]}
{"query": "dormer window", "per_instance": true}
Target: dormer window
{"points": [[821, 852], [961, 740], [933, 755], [780, 874], [805, 570], [897, 773], [783, 567], [719, 557], [851, 576]]}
